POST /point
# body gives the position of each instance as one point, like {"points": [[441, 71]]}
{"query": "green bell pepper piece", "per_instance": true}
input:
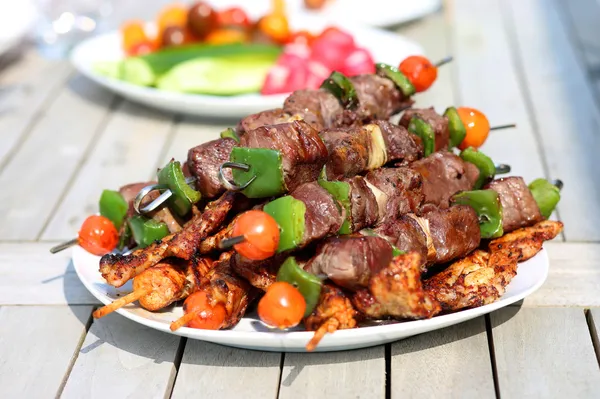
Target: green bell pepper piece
{"points": [[308, 284], [455, 126], [340, 190], [146, 231], [488, 207], [546, 194], [424, 130], [229, 133], [342, 88], [183, 195], [113, 207], [487, 169], [266, 165], [399, 79], [125, 237], [288, 212]]}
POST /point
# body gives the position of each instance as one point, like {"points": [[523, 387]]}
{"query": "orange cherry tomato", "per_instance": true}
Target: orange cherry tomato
{"points": [[420, 71], [275, 26], [232, 17], [132, 34], [260, 232], [314, 4], [210, 316], [283, 306], [226, 36], [477, 126], [98, 235], [173, 15], [302, 37]]}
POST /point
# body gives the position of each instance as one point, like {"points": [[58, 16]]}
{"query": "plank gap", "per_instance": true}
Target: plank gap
{"points": [[281, 364], [589, 318], [490, 339], [176, 365], [88, 324], [388, 371]]}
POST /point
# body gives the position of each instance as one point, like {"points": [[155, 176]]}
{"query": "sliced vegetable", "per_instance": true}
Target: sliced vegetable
{"points": [[399, 79], [487, 169], [341, 87], [265, 167], [341, 192], [420, 71], [231, 134], [455, 126], [424, 130], [546, 194], [358, 62], [113, 206], [283, 306], [145, 231], [476, 125], [183, 196], [332, 47], [288, 212], [488, 207], [308, 284], [260, 232], [98, 235]]}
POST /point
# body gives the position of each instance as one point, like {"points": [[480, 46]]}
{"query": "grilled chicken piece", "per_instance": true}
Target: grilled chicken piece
{"points": [[396, 291], [333, 312], [260, 274], [481, 277], [117, 269]]}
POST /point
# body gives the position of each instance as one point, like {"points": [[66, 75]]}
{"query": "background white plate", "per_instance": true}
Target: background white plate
{"points": [[250, 333], [385, 46], [16, 17]]}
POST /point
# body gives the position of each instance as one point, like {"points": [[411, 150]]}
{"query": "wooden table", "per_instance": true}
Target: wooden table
{"points": [[63, 139]]}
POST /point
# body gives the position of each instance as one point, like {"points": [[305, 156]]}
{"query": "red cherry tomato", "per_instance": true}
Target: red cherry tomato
{"points": [[302, 37], [233, 17], [477, 126], [358, 62], [172, 15], [132, 34], [209, 316], [260, 232], [141, 48], [420, 71], [98, 235], [283, 306]]}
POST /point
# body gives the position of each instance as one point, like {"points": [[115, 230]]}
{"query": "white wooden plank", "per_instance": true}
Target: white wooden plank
{"points": [[356, 374], [122, 359], [40, 171], [450, 363], [544, 353], [583, 22], [126, 152], [37, 344], [431, 33], [214, 371], [27, 85], [30, 275], [487, 80], [565, 111], [574, 276]]}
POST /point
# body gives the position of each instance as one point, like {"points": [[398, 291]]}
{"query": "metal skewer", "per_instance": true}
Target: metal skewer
{"points": [[165, 195], [234, 165], [500, 127], [443, 61]]}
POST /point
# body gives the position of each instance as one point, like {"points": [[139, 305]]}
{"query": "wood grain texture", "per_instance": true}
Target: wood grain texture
{"points": [[214, 371], [126, 152], [544, 353], [121, 359], [30, 275], [450, 363], [573, 279], [356, 374], [38, 174], [488, 80], [564, 110], [37, 344]]}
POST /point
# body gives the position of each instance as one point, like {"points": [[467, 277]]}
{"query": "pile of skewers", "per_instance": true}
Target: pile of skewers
{"points": [[326, 213]]}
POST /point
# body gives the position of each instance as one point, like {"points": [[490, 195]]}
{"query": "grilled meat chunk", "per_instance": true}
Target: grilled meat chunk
{"points": [[435, 120], [319, 108], [364, 209], [445, 174], [303, 152], [204, 162], [408, 233], [260, 274], [402, 147], [268, 117], [378, 97], [403, 188], [519, 208]]}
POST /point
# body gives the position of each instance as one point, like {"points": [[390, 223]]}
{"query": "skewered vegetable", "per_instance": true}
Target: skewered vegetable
{"points": [[113, 206], [308, 284], [477, 127], [420, 71], [259, 233], [283, 306]]}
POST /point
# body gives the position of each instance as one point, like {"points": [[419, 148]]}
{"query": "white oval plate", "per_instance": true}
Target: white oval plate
{"points": [[250, 333], [384, 46]]}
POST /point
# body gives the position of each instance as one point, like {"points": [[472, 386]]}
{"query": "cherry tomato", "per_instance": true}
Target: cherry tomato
{"points": [[173, 15], [175, 36], [302, 37], [314, 4], [210, 317], [225, 36], [98, 235], [202, 19], [420, 71], [132, 34], [477, 126], [141, 48], [282, 306], [275, 26], [358, 62], [260, 232], [233, 16]]}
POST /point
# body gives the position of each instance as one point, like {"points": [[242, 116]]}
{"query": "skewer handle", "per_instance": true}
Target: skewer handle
{"points": [[230, 242], [119, 303], [182, 321], [444, 60], [64, 245], [500, 127]]}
